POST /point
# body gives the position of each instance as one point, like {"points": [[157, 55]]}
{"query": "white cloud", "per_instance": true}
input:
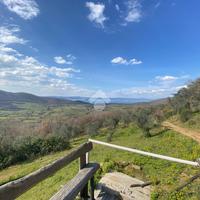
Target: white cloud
{"points": [[135, 61], [166, 78], [134, 13], [8, 35], [68, 60], [28, 70], [5, 49], [169, 81], [160, 87], [120, 60], [27, 9], [59, 60], [96, 13], [5, 58]]}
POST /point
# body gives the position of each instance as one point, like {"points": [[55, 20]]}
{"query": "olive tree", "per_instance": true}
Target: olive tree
{"points": [[145, 121]]}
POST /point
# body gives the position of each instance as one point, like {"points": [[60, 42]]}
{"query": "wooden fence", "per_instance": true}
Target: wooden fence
{"points": [[79, 184]]}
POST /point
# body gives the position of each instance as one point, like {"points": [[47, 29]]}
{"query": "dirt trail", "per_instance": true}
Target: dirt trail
{"points": [[185, 131]]}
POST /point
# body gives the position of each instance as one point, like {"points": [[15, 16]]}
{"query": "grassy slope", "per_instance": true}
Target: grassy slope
{"points": [[170, 174], [192, 123]]}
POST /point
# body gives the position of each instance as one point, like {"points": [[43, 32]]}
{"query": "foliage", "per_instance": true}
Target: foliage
{"points": [[146, 121], [17, 150], [185, 114], [186, 101]]}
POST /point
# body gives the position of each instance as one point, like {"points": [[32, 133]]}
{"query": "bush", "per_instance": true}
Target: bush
{"points": [[109, 136], [185, 115], [27, 148]]}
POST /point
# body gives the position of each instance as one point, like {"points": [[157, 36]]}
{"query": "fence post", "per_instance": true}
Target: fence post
{"points": [[92, 188], [84, 191]]}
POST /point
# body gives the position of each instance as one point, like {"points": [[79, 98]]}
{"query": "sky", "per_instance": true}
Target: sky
{"points": [[130, 48]]}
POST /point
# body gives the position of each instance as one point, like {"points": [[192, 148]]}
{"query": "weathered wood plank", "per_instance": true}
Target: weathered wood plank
{"points": [[84, 191], [119, 184], [12, 190], [71, 189], [92, 187]]}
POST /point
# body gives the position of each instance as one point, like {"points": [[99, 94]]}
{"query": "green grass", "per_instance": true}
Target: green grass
{"points": [[168, 173], [169, 143]]}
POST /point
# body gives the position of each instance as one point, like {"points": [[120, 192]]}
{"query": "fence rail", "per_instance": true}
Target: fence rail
{"points": [[71, 189], [196, 164], [14, 189]]}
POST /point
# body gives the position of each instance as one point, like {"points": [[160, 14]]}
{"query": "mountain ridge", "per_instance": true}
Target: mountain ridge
{"points": [[9, 99]]}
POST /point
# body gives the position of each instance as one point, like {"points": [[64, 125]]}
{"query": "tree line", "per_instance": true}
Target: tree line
{"points": [[20, 142]]}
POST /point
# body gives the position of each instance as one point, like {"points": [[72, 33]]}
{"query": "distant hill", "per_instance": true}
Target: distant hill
{"points": [[159, 101], [8, 100], [112, 100]]}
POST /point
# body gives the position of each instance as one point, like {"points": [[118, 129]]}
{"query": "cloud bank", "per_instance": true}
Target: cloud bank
{"points": [[26, 9]]}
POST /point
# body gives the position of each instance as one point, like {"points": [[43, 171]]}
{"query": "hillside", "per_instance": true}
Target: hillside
{"points": [[170, 174], [184, 107], [9, 100]]}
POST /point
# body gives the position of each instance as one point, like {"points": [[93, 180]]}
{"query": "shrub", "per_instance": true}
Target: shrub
{"points": [[185, 114], [109, 136], [26, 148]]}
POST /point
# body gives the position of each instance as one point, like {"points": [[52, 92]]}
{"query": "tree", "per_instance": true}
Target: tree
{"points": [[145, 122], [185, 114], [92, 129]]}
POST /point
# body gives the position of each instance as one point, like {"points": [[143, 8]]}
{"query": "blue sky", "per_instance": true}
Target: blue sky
{"points": [[130, 48]]}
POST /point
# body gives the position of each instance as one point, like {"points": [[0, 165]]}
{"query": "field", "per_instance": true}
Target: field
{"points": [[35, 112], [169, 175]]}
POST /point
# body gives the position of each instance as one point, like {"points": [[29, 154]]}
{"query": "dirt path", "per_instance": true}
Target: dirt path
{"points": [[185, 131]]}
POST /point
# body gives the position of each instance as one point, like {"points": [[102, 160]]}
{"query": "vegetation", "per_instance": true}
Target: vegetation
{"points": [[184, 108], [37, 129], [26, 148], [169, 174], [22, 142], [187, 101]]}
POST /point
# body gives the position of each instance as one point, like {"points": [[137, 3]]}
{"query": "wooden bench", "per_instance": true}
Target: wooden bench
{"points": [[14, 189], [71, 190]]}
